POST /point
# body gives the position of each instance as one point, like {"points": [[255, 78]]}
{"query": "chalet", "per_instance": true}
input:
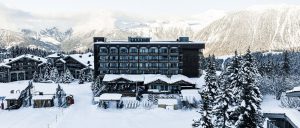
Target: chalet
{"points": [[42, 101], [20, 68], [76, 63], [148, 83]]}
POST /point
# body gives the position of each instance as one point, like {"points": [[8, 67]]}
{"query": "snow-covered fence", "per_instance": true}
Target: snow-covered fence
{"points": [[290, 102]]}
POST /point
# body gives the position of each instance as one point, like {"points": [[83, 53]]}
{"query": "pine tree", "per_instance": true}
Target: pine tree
{"points": [[81, 79], [89, 76], [35, 77], [54, 75], [46, 75], [68, 77], [234, 77], [223, 101], [208, 95], [249, 110], [41, 78]]}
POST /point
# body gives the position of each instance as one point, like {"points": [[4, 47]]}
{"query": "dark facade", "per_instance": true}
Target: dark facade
{"points": [[4, 70], [23, 67], [139, 55]]}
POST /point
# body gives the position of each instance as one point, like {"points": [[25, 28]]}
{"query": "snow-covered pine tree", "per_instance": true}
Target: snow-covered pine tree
{"points": [[46, 75], [68, 77], [208, 94], [61, 77], [250, 115], [234, 77], [35, 77], [54, 76], [205, 120], [41, 78], [223, 101], [81, 79], [89, 76]]}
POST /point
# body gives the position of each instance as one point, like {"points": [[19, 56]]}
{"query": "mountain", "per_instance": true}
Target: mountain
{"points": [[260, 28], [257, 28]]}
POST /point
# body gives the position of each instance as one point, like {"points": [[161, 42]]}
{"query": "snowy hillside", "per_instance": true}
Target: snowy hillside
{"points": [[260, 28]]}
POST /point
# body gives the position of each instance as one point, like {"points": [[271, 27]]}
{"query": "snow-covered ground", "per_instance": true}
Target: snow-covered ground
{"points": [[84, 114]]}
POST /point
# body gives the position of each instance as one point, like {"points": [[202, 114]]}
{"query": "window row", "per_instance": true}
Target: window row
{"points": [[139, 65], [135, 71], [124, 50], [141, 58]]}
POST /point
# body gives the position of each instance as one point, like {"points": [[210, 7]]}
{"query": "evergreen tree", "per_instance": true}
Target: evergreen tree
{"points": [[68, 78], [35, 77], [223, 101], [234, 77], [54, 75], [81, 79], [208, 95], [89, 76], [41, 78], [249, 110]]}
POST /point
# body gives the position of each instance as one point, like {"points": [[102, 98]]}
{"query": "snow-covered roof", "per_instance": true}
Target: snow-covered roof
{"points": [[54, 55], [177, 78], [14, 96], [28, 56], [4, 65], [110, 96], [86, 59], [167, 101], [152, 78], [134, 78], [148, 78], [295, 92], [42, 97], [190, 94]]}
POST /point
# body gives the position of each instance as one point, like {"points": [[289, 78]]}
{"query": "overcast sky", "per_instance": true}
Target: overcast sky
{"points": [[147, 7]]}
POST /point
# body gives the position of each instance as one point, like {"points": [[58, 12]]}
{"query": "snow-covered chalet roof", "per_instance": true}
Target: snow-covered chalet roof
{"points": [[110, 96], [148, 78], [86, 59], [42, 97], [151, 42], [4, 65], [28, 56], [295, 92], [14, 96], [54, 55], [134, 78]]}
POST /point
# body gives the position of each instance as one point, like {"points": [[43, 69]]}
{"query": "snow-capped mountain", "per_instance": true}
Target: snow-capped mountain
{"points": [[260, 28]]}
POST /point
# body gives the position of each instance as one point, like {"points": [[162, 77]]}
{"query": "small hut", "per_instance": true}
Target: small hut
{"points": [[42, 101], [13, 101], [109, 100]]}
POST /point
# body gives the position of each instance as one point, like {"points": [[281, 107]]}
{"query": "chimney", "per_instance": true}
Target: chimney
{"points": [[99, 39], [183, 39], [80, 56]]}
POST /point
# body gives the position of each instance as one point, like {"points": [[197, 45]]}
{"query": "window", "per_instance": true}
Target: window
{"points": [[153, 87], [174, 58], [103, 50], [123, 58], [143, 65], [103, 65], [163, 58], [133, 65], [123, 50], [143, 50], [163, 50], [143, 58], [114, 65], [113, 50], [123, 65], [103, 58], [113, 58], [163, 65], [153, 58], [133, 50], [174, 65], [164, 88], [133, 57], [153, 50], [174, 50]]}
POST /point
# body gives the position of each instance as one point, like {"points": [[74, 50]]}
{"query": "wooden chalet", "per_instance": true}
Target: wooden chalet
{"points": [[76, 63], [20, 68], [146, 83]]}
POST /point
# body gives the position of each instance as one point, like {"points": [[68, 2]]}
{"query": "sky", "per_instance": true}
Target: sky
{"points": [[146, 7], [40, 14]]}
